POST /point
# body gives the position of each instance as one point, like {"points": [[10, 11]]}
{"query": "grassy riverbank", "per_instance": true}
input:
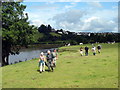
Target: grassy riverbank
{"points": [[72, 71]]}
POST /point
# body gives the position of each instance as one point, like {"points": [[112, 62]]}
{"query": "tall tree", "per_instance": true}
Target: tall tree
{"points": [[16, 31], [42, 29], [45, 29], [49, 28]]}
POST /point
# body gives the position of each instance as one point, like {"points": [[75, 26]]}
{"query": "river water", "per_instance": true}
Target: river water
{"points": [[26, 54]]}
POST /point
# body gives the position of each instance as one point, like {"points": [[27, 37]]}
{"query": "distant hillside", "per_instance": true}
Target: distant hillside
{"points": [[48, 34], [55, 34]]}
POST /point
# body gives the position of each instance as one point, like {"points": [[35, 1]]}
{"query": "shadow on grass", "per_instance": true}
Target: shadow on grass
{"points": [[68, 62], [45, 70], [67, 50], [38, 70]]}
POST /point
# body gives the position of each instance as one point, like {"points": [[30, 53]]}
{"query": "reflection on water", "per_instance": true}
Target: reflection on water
{"points": [[26, 54]]}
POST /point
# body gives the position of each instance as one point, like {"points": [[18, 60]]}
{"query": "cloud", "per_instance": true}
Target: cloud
{"points": [[32, 15], [77, 21], [44, 7], [68, 20], [107, 14], [38, 18], [98, 24], [72, 16], [115, 7], [70, 6], [91, 19], [95, 4], [36, 22]]}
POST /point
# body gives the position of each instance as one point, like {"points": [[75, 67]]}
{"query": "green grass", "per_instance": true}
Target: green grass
{"points": [[55, 34], [72, 71], [38, 35]]}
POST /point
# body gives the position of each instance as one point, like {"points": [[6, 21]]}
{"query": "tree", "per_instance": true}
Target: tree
{"points": [[45, 29], [42, 29], [49, 28], [16, 31]]}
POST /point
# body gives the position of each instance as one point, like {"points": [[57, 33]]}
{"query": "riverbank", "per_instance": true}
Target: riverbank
{"points": [[72, 71], [31, 52], [45, 46]]}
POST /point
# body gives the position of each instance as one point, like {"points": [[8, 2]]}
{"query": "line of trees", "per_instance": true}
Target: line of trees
{"points": [[74, 38]]}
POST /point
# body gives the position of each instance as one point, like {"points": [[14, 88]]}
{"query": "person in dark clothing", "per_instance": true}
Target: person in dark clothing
{"points": [[99, 48], [49, 58], [86, 51]]}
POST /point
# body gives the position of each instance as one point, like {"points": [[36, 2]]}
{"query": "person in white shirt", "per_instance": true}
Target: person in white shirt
{"points": [[42, 62], [94, 50]]}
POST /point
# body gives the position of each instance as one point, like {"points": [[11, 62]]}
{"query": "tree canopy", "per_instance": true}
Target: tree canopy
{"points": [[16, 31], [45, 29]]}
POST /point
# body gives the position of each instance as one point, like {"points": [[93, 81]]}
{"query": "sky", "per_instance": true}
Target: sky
{"points": [[74, 16]]}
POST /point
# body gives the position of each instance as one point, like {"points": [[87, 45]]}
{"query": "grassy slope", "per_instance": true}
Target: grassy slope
{"points": [[72, 71], [38, 35], [55, 34]]}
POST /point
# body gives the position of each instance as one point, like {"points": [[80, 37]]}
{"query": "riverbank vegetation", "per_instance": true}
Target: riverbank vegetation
{"points": [[72, 71]]}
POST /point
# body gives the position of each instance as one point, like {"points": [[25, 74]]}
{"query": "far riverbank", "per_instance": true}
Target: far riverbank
{"points": [[31, 52]]}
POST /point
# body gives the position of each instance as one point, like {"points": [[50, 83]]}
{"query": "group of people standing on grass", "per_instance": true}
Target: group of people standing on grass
{"points": [[48, 60], [86, 50]]}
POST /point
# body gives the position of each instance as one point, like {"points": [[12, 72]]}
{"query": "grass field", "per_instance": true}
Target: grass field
{"points": [[72, 71]]}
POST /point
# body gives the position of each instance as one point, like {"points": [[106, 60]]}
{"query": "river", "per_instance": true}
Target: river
{"points": [[26, 54]]}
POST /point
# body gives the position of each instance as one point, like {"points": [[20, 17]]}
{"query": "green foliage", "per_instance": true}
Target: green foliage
{"points": [[55, 34], [37, 36], [14, 24], [45, 29], [51, 34], [16, 30]]}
